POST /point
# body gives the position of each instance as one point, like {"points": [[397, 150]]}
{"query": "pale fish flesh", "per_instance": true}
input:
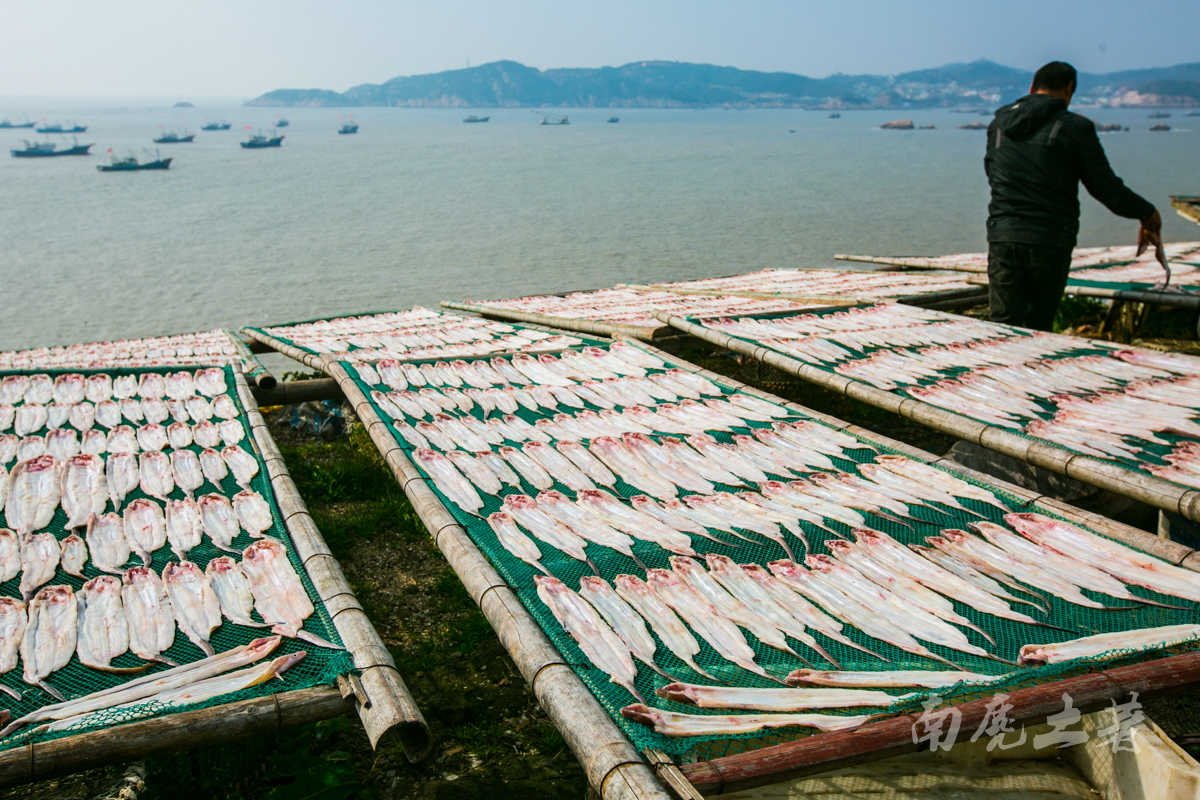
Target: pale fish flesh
{"points": [[106, 543], [184, 528], [1146, 638], [223, 407], [125, 386], [94, 442], [155, 411], [210, 382], [122, 439], [888, 679], [108, 414], [157, 478], [145, 528], [121, 475], [252, 512], [671, 724], [179, 435], [233, 591], [219, 520], [449, 480], [30, 419], [213, 467], [515, 542], [149, 614], [30, 448], [197, 610], [151, 385], [278, 594], [98, 388], [103, 628], [10, 555], [595, 638], [74, 555], [665, 622], [40, 554], [185, 468], [34, 489], [199, 409], [50, 636], [62, 443], [82, 416], [13, 620], [231, 431], [623, 620], [243, 466], [205, 434], [777, 700], [180, 386], [83, 490]]}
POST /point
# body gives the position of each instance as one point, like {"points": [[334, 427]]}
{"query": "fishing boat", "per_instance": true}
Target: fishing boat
{"points": [[131, 164], [282, 122], [613, 118], [553, 121], [49, 150], [349, 127], [1160, 127], [474, 118], [57, 128], [835, 115], [5, 124], [216, 126], [1160, 115], [258, 141], [175, 138]]}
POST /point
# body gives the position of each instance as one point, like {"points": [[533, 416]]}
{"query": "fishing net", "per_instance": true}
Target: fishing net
{"points": [[321, 666], [927, 520], [1151, 453]]}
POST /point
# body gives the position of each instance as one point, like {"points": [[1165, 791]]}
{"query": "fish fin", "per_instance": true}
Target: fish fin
{"points": [[247, 622], [117, 670], [594, 568], [227, 548], [783, 543], [1160, 605], [50, 690], [1001, 660], [879, 512], [630, 688], [312, 638], [161, 659], [638, 561], [81, 576], [11, 692]]}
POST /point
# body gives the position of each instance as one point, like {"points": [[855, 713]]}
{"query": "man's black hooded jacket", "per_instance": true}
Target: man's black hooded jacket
{"points": [[1037, 153]]}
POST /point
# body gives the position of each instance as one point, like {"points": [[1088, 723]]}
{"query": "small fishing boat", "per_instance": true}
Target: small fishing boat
{"points": [[216, 126], [1161, 127], [613, 118], [349, 127], [50, 150], [131, 164], [474, 118], [835, 115], [555, 121], [282, 122], [5, 124], [1160, 115], [181, 137], [258, 141], [57, 128]]}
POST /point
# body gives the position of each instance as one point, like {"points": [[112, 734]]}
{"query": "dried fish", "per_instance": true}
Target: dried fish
{"points": [[62, 443], [187, 472], [156, 476], [83, 490], [121, 439], [106, 543], [74, 555], [219, 521], [223, 407], [145, 528], [529, 516], [232, 588], [622, 619], [1089, 646], [213, 467], [231, 431], [121, 476], [243, 466], [179, 435], [210, 382], [149, 615], [50, 636], [671, 724], [184, 526], [253, 513], [40, 554], [890, 679], [13, 621], [197, 610], [776, 700], [30, 418], [278, 594], [103, 632]]}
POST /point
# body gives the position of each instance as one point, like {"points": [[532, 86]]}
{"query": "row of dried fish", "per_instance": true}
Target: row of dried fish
{"points": [[70, 388], [63, 443], [209, 347], [637, 306], [31, 417], [140, 613], [860, 284]]}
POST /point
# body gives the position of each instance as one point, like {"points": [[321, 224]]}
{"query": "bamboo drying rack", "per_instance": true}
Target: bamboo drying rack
{"points": [[1130, 483], [1189, 300], [582, 325], [378, 694], [944, 300], [253, 368]]}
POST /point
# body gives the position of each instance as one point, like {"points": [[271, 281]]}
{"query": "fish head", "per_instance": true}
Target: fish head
{"points": [[42, 463], [985, 529], [840, 546], [221, 565], [284, 663], [54, 595], [950, 535], [536, 447], [104, 584], [520, 501], [84, 460], [684, 565], [661, 577], [263, 550], [595, 584], [820, 562], [549, 584], [1027, 521], [552, 497], [866, 536], [719, 563]]}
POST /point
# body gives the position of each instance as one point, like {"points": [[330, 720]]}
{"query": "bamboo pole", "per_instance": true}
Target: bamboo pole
{"points": [[1190, 300], [254, 370], [893, 737], [1187, 207], [171, 733], [829, 300], [292, 392], [257, 347], [1102, 474], [1169, 551], [389, 708], [292, 352], [613, 766], [590, 326], [911, 263]]}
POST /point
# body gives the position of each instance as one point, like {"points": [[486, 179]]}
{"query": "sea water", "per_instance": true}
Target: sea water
{"points": [[418, 207]]}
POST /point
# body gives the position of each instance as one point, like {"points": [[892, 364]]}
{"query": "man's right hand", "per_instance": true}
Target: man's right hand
{"points": [[1151, 234]]}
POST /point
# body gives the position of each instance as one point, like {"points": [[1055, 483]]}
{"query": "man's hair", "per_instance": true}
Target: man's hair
{"points": [[1055, 76]]}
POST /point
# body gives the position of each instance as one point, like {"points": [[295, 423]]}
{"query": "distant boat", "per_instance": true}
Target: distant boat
{"points": [[49, 150], [560, 121], [1192, 114], [5, 124], [1159, 115], [613, 118], [1112, 127], [474, 118], [835, 115], [131, 164], [979, 126], [282, 123], [898, 125], [928, 128], [175, 138], [258, 141], [56, 128], [349, 127], [1160, 128], [216, 126]]}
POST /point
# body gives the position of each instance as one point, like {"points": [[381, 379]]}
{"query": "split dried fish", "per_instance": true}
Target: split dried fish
{"points": [[50, 636], [121, 476], [156, 476], [40, 554], [232, 588], [243, 466], [671, 724], [106, 543], [145, 528], [776, 700], [149, 615], [197, 610], [13, 620], [34, 490], [74, 555], [103, 632], [278, 594], [622, 619], [1088, 646], [186, 470], [213, 467], [890, 679], [184, 527], [83, 490]]}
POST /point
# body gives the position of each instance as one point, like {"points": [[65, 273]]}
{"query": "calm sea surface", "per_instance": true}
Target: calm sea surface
{"points": [[419, 207]]}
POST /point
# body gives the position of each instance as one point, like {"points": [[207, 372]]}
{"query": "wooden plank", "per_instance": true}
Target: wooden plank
{"points": [[879, 740], [391, 710], [1096, 472], [169, 734], [613, 766]]}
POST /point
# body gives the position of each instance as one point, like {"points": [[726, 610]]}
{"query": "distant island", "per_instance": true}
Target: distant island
{"points": [[673, 84], [183, 104]]}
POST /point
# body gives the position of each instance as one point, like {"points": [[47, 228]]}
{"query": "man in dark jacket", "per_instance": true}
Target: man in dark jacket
{"points": [[1037, 153]]}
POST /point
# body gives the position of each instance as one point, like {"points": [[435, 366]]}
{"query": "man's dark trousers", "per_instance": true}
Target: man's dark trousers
{"points": [[1026, 282]]}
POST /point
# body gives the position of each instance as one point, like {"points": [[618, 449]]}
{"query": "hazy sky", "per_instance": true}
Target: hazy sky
{"points": [[236, 48]]}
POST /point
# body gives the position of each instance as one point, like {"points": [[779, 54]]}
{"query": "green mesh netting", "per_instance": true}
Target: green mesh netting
{"points": [[321, 666], [1010, 636], [1152, 452]]}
